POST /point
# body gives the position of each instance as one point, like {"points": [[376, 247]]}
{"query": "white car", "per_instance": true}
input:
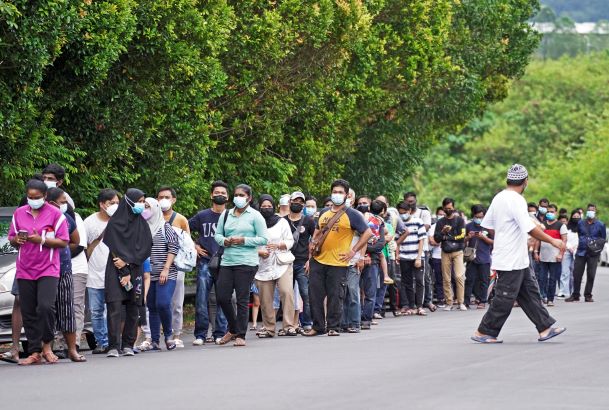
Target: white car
{"points": [[8, 256], [605, 256]]}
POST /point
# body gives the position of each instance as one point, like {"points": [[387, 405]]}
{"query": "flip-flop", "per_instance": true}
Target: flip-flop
{"points": [[79, 359], [8, 358], [553, 333], [486, 339]]}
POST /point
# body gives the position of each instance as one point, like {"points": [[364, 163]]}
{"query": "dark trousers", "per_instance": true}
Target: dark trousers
{"points": [[118, 339], [238, 278], [368, 285], [477, 277], [581, 262], [37, 299], [428, 298], [436, 266], [326, 281], [551, 271], [393, 290], [516, 285], [413, 281]]}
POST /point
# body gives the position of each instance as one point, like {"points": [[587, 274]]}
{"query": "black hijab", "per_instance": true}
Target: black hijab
{"points": [[127, 234], [273, 219]]}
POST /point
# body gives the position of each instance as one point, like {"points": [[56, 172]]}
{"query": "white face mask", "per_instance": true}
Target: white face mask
{"points": [[35, 203], [111, 209], [165, 204], [51, 184], [63, 208]]}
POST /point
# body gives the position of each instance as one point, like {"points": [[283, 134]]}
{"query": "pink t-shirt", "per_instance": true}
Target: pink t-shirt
{"points": [[34, 260]]}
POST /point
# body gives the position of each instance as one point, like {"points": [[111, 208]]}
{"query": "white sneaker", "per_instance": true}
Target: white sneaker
{"points": [[462, 307], [377, 316], [197, 342], [218, 340], [127, 351], [448, 308], [179, 343], [112, 353]]}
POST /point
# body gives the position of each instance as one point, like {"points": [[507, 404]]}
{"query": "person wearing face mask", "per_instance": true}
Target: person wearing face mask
{"points": [[129, 241], [284, 205], [549, 258], [507, 218], [450, 234], [163, 274], [352, 305], [542, 209], [241, 231], [39, 231], [64, 303], [53, 176], [568, 260], [97, 254], [302, 226], [332, 251], [478, 271], [436, 260], [167, 197], [310, 209], [207, 312], [591, 232]]}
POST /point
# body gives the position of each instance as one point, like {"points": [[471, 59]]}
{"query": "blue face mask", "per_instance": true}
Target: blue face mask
{"points": [[309, 211], [591, 214], [338, 199], [477, 221], [240, 202], [550, 216], [543, 210], [136, 207]]}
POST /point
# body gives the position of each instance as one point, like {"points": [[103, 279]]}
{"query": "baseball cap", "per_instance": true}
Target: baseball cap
{"points": [[297, 194]]}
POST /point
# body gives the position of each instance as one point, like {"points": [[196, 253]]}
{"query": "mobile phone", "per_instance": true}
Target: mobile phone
{"points": [[22, 233]]}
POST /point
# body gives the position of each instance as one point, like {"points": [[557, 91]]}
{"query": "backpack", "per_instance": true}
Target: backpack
{"points": [[186, 259]]}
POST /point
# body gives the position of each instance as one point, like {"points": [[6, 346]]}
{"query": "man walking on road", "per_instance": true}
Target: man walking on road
{"points": [[508, 219]]}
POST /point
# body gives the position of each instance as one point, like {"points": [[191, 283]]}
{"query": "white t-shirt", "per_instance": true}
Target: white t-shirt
{"points": [[509, 218], [425, 216], [97, 263], [79, 263], [436, 251]]}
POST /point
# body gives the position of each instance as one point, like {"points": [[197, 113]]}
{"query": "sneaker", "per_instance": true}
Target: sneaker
{"points": [[447, 308], [100, 350], [145, 346], [154, 347], [112, 353], [127, 351], [572, 299], [550, 303], [353, 330], [441, 305], [218, 340], [365, 326], [589, 299], [462, 307], [179, 343], [377, 316], [373, 323], [198, 342], [561, 296]]}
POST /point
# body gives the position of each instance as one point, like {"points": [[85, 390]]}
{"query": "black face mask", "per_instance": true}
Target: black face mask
{"points": [[267, 212], [296, 208], [219, 199], [376, 210], [573, 224], [449, 212], [363, 208]]}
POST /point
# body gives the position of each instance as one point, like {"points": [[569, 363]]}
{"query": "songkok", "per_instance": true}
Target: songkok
{"points": [[517, 173]]}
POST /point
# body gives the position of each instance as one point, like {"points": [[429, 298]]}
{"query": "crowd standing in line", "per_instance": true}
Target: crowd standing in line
{"points": [[329, 270]]}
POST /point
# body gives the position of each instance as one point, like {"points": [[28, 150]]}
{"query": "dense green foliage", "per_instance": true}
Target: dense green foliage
{"points": [[581, 10], [555, 122], [280, 94]]}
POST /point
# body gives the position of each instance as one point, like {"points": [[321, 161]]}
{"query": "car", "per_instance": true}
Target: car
{"points": [[605, 256]]}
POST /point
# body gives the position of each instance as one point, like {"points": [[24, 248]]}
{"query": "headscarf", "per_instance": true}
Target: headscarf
{"points": [[157, 220], [127, 234], [273, 219]]}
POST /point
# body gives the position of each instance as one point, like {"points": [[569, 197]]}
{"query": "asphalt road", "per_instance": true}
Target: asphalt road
{"points": [[404, 363]]}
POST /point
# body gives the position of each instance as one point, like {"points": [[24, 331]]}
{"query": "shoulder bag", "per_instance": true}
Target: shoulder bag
{"points": [[594, 247], [326, 231], [469, 253], [216, 259]]}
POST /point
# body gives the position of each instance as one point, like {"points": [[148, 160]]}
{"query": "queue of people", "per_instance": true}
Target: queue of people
{"points": [[328, 269]]}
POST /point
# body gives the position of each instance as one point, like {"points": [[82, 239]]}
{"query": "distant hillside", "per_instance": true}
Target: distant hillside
{"points": [[580, 10]]}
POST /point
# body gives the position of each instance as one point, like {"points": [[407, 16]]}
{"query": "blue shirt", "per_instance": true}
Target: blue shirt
{"points": [[146, 266], [587, 232], [65, 256], [204, 223], [483, 249], [249, 225]]}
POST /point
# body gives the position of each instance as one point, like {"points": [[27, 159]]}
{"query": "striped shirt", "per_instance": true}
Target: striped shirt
{"points": [[164, 242], [409, 249]]}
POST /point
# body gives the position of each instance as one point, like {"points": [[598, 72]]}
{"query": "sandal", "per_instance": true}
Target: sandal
{"points": [[432, 307], [396, 313], [210, 339], [333, 333], [486, 339], [9, 357], [421, 312], [254, 328], [264, 335], [239, 342], [291, 332], [311, 333], [78, 358], [50, 357], [225, 339], [409, 312], [282, 332], [170, 344], [34, 358], [481, 306], [555, 331]]}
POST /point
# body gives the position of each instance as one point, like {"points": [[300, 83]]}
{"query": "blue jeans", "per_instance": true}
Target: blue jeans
{"points": [[352, 305], [159, 308], [97, 305], [202, 309], [300, 277], [379, 304], [369, 284], [566, 276], [549, 273]]}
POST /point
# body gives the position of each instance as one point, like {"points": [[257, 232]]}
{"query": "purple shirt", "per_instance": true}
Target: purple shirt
{"points": [[34, 260]]}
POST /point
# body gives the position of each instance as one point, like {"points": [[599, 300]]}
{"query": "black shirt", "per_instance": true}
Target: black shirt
{"points": [[456, 234], [301, 248]]}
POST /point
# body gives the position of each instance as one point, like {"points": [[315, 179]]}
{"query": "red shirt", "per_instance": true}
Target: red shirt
{"points": [[35, 260]]}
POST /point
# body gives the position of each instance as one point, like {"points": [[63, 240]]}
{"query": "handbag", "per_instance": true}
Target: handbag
{"points": [[449, 246], [285, 258], [216, 259], [469, 253]]}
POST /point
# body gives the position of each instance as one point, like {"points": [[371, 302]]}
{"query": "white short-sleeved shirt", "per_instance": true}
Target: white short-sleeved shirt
{"points": [[79, 262], [425, 216], [508, 216], [436, 251], [98, 260]]}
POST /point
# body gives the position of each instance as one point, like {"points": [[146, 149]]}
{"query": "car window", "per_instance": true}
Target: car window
{"points": [[5, 246]]}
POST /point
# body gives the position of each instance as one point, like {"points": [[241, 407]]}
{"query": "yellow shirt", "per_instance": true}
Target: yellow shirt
{"points": [[341, 235]]}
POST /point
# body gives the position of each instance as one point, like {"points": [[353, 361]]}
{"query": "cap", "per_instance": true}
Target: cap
{"points": [[297, 194], [517, 172], [284, 200]]}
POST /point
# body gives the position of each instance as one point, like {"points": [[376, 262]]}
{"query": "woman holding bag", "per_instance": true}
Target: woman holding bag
{"points": [[275, 269]]}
